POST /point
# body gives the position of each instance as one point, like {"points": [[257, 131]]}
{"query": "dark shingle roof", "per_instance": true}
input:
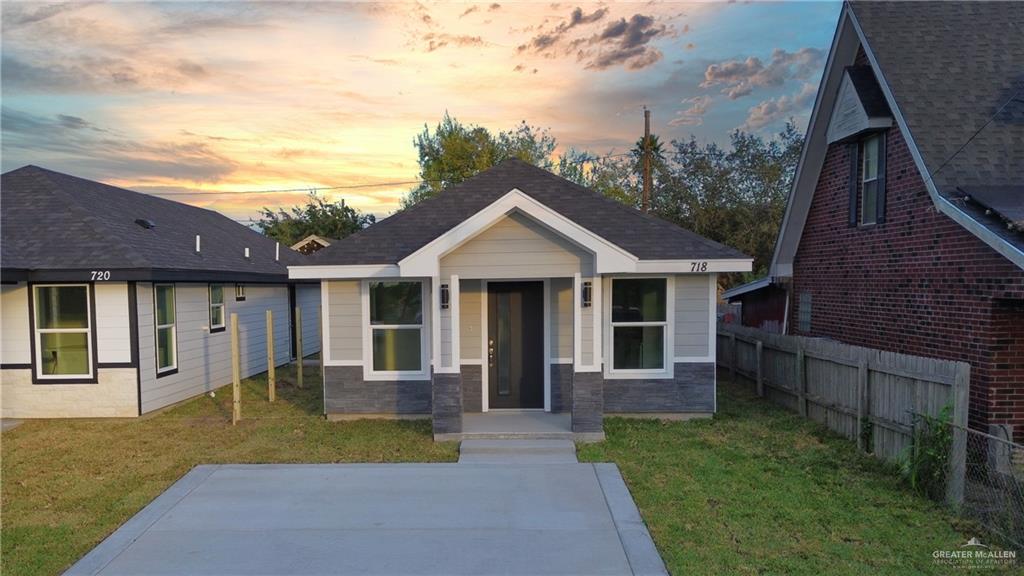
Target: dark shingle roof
{"points": [[951, 66], [53, 221], [645, 236]]}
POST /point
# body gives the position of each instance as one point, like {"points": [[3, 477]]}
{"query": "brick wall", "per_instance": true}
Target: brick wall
{"points": [[918, 284]]}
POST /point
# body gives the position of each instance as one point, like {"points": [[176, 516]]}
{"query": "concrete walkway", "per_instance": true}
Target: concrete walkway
{"points": [[394, 519]]}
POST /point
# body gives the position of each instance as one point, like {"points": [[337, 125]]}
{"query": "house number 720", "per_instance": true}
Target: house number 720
{"points": [[101, 275], [698, 266]]}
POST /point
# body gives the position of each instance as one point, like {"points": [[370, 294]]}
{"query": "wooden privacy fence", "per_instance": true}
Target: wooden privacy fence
{"points": [[864, 394]]}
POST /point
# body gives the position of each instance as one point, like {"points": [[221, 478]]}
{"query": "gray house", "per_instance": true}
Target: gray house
{"points": [[115, 303], [519, 290]]}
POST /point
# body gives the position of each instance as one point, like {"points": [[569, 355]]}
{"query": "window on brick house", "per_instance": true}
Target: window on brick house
{"points": [[870, 152], [804, 312]]}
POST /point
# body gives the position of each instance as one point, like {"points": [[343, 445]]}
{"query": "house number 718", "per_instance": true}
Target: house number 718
{"points": [[698, 266]]}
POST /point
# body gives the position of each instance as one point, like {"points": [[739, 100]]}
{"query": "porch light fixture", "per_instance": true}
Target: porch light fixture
{"points": [[445, 297], [586, 294]]}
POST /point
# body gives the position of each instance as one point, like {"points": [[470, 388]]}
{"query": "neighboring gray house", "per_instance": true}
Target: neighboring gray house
{"points": [[518, 289], [116, 303]]}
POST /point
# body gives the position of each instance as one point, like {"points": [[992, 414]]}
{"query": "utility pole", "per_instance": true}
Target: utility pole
{"points": [[646, 203]]}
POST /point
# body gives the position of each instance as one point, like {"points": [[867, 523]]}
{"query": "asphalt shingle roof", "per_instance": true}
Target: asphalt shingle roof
{"points": [[951, 66], [53, 221], [643, 235]]}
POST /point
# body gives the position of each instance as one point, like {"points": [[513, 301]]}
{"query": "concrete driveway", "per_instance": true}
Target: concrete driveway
{"points": [[395, 519]]}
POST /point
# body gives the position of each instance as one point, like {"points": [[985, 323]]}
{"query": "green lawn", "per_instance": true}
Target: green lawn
{"points": [[759, 490], [754, 491], [67, 484]]}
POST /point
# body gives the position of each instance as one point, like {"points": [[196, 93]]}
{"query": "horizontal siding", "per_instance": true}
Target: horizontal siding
{"points": [[307, 298], [561, 318], [14, 328], [469, 319], [586, 334], [204, 359], [113, 323], [345, 318], [693, 325], [446, 338], [516, 247]]}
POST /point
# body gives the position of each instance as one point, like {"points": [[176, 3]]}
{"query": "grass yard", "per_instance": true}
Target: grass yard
{"points": [[67, 484], [755, 491], [759, 490]]}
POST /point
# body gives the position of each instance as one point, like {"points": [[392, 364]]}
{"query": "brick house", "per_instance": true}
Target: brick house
{"points": [[904, 229]]}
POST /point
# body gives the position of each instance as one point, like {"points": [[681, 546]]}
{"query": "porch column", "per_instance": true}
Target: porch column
{"points": [[446, 380], [587, 380]]}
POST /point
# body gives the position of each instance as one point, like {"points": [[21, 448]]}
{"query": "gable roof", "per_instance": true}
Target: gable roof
{"points": [[642, 235], [52, 222], [949, 72]]}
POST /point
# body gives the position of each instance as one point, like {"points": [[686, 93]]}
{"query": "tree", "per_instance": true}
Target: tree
{"points": [[455, 151], [318, 216], [735, 196]]}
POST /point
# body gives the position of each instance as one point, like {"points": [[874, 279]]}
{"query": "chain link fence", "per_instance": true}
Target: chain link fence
{"points": [[992, 490]]}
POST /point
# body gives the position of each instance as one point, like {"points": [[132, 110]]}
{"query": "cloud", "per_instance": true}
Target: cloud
{"points": [[545, 40], [470, 10], [694, 114], [625, 42], [107, 156], [438, 41], [87, 73], [17, 14], [740, 77], [774, 109]]}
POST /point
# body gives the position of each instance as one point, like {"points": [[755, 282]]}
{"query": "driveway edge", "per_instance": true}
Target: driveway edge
{"points": [[112, 546], [641, 553]]}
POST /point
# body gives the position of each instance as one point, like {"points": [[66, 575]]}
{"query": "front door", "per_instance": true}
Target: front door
{"points": [[515, 344]]}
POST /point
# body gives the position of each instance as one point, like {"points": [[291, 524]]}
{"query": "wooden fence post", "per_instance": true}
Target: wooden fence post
{"points": [[958, 450], [801, 380], [732, 357], [271, 377], [236, 373], [862, 402], [759, 351], [298, 346]]}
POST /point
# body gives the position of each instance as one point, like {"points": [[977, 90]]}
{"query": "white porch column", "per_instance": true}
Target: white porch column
{"points": [[597, 304], [577, 341], [435, 323], [454, 308]]}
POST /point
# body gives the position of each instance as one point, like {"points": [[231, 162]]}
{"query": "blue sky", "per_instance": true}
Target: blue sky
{"points": [[208, 98]]}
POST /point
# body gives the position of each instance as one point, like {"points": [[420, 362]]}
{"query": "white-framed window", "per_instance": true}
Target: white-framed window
{"points": [[870, 148], [217, 323], [165, 321], [63, 332], [239, 292], [639, 338], [396, 333]]}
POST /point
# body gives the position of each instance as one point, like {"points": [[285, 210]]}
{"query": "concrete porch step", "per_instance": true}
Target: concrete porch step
{"points": [[517, 451]]}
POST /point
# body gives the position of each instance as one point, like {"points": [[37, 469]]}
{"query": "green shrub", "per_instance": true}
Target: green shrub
{"points": [[925, 463]]}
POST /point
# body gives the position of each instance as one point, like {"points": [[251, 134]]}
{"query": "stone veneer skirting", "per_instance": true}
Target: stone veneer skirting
{"points": [[587, 394], [345, 392], [692, 390]]}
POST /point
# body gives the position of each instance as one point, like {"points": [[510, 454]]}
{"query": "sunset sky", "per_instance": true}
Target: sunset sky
{"points": [[205, 97]]}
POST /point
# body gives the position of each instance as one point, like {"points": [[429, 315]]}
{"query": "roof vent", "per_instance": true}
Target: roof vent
{"points": [[147, 224]]}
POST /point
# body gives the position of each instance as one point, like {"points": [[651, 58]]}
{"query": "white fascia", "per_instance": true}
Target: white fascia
{"points": [[608, 257]]}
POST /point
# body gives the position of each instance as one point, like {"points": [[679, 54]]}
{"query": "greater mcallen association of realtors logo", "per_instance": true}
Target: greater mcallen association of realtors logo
{"points": [[975, 555]]}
